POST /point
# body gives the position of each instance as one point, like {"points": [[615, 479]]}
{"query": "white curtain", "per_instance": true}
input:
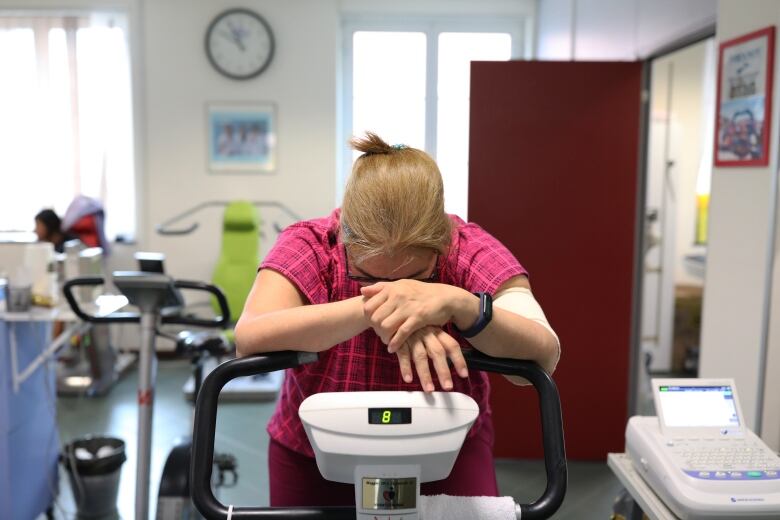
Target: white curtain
{"points": [[65, 118]]}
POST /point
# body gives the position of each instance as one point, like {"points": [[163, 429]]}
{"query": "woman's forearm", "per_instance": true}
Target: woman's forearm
{"points": [[513, 336], [310, 328], [508, 335]]}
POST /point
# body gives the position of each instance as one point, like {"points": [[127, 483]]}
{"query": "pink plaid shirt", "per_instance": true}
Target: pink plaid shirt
{"points": [[311, 255]]}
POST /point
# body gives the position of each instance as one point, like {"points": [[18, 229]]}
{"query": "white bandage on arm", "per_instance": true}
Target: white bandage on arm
{"points": [[520, 300]]}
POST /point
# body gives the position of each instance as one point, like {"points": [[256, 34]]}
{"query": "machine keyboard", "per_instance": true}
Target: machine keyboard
{"points": [[735, 459]]}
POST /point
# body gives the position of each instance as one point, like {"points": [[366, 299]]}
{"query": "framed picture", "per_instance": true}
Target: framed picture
{"points": [[744, 102], [241, 137]]}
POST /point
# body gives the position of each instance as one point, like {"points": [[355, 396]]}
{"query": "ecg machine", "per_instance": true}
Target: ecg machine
{"points": [[699, 457]]}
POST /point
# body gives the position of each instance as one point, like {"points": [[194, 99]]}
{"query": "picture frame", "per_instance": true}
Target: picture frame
{"points": [[241, 137], [744, 99]]}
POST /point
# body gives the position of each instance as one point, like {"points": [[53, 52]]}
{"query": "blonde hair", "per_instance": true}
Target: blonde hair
{"points": [[394, 201]]}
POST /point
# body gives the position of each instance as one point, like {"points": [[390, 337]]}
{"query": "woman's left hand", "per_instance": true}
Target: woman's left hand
{"points": [[438, 346], [398, 309]]}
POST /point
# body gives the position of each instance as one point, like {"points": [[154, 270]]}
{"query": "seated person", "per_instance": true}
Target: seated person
{"points": [[48, 227], [384, 289]]}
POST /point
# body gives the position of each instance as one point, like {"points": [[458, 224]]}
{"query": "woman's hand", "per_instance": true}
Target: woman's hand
{"points": [[434, 344], [397, 309]]}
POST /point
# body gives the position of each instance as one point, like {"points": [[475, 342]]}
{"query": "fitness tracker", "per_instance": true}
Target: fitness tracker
{"points": [[485, 315]]}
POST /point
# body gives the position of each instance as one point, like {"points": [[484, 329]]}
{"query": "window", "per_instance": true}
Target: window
{"points": [[66, 127], [409, 82], [388, 87]]}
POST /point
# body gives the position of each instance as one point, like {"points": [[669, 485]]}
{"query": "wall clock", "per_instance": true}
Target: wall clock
{"points": [[239, 43]]}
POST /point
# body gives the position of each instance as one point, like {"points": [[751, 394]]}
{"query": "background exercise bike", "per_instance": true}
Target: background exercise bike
{"points": [[159, 301], [362, 449]]}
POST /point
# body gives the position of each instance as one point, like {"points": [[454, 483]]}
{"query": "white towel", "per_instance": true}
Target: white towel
{"points": [[446, 507]]}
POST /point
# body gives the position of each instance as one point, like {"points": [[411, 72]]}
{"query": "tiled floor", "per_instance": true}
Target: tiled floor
{"points": [[241, 431]]}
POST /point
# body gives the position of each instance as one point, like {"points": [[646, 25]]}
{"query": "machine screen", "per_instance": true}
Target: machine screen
{"points": [[389, 416], [698, 406]]}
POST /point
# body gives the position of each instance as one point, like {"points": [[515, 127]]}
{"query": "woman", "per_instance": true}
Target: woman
{"points": [[48, 228], [384, 289]]}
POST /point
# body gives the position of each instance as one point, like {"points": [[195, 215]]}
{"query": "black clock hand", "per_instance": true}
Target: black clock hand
{"points": [[236, 35], [240, 43], [227, 36]]}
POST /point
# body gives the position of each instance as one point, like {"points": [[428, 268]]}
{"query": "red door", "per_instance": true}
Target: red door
{"points": [[553, 174]]}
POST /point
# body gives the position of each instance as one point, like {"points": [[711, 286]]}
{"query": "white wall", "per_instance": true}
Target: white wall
{"points": [[616, 29], [554, 29], [737, 278], [180, 82]]}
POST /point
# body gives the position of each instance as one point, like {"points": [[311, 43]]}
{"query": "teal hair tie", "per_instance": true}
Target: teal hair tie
{"points": [[399, 146]]}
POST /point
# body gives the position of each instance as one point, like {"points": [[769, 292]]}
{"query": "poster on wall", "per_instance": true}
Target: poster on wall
{"points": [[744, 110], [241, 137]]}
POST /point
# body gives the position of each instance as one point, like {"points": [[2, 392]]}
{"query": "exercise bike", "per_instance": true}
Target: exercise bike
{"points": [[159, 301], [357, 437]]}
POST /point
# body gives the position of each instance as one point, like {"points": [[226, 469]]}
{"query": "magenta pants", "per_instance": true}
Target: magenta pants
{"points": [[295, 480]]}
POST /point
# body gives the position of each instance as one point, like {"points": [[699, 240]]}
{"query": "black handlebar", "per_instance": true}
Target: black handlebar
{"points": [[206, 419], [552, 428], [91, 281], [222, 321]]}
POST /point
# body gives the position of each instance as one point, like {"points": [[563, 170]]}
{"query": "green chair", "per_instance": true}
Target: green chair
{"points": [[235, 274], [239, 256]]}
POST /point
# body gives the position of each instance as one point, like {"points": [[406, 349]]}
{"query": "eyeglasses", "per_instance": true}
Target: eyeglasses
{"points": [[370, 280]]}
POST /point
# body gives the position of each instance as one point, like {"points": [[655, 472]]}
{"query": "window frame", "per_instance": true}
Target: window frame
{"points": [[517, 26]]}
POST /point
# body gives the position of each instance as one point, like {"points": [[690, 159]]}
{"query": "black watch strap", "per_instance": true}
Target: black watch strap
{"points": [[485, 315]]}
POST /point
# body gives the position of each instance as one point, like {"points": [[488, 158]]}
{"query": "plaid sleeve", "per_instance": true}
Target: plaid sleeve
{"points": [[300, 256], [484, 262]]}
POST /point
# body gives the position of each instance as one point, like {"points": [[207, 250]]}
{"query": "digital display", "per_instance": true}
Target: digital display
{"points": [[698, 406], [389, 416]]}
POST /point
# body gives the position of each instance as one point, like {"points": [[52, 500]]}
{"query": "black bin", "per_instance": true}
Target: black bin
{"points": [[94, 465]]}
